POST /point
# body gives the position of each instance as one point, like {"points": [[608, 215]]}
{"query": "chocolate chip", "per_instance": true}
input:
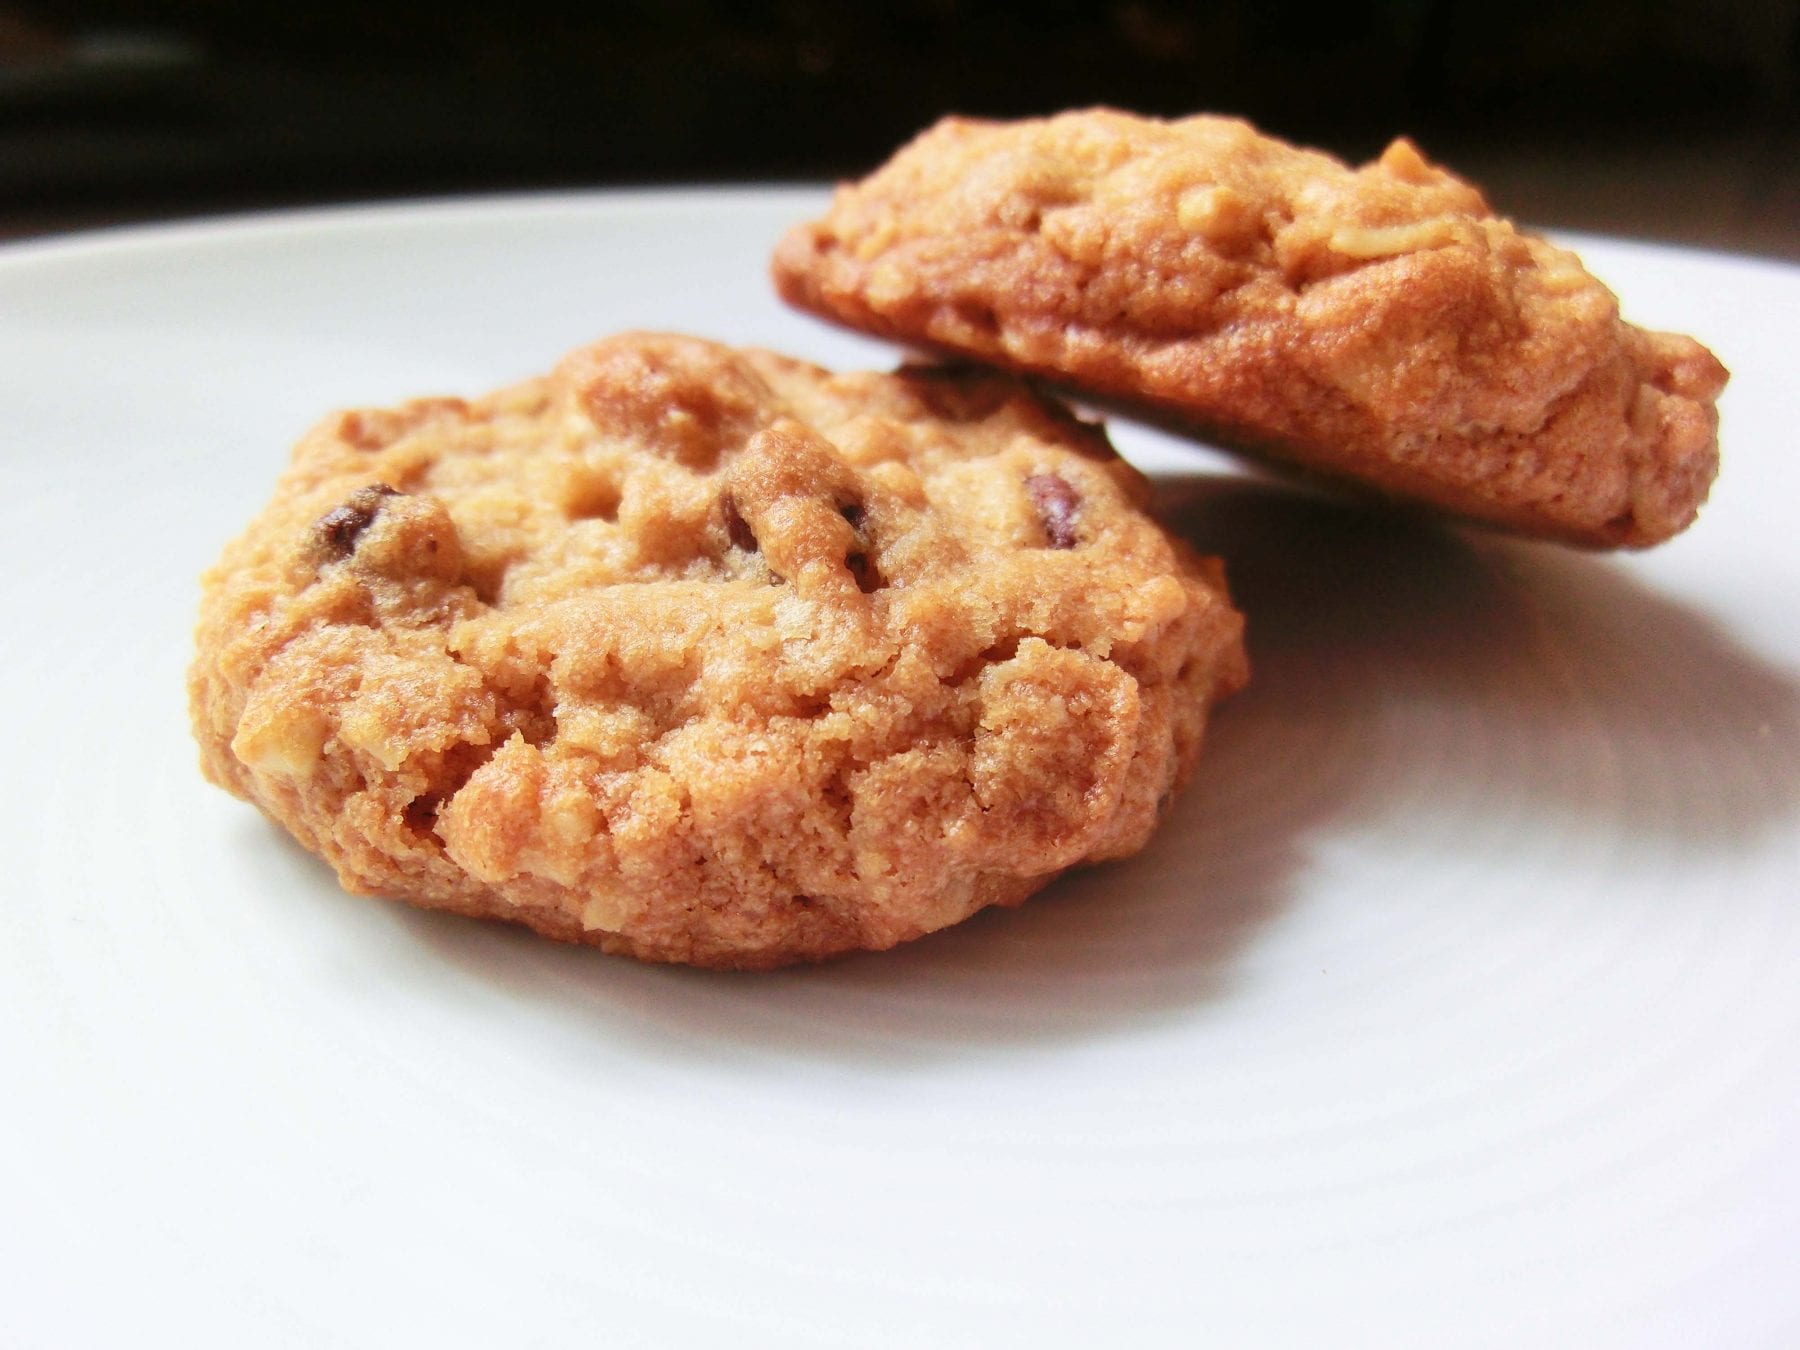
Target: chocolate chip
{"points": [[1056, 504], [854, 512], [339, 528], [868, 576], [742, 536]]}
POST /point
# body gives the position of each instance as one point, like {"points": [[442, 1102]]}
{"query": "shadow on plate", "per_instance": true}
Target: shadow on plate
{"points": [[1400, 669], [1551, 679]]}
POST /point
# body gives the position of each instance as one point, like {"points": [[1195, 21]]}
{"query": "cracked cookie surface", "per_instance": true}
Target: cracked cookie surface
{"points": [[1378, 324], [708, 655]]}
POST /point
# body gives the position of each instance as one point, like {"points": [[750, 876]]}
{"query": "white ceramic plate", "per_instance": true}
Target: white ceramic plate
{"points": [[1458, 1004]]}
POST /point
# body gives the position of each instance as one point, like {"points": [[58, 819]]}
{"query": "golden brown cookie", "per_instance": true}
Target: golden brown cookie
{"points": [[711, 656], [1378, 324]]}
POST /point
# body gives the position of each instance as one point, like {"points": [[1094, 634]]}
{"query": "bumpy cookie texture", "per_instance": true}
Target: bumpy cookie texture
{"points": [[711, 656], [1379, 324]]}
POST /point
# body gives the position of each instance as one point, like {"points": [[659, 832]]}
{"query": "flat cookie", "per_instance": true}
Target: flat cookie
{"points": [[711, 656], [1379, 324]]}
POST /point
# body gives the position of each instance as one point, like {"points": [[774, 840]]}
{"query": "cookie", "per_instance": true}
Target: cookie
{"points": [[1380, 324], [711, 656]]}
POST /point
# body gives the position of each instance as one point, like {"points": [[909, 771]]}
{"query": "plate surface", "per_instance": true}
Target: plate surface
{"points": [[1458, 1003]]}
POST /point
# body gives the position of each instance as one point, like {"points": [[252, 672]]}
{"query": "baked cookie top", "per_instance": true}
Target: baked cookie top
{"points": [[1379, 324], [710, 655]]}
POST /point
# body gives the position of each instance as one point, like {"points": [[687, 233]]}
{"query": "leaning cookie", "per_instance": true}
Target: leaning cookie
{"points": [[711, 656], [1378, 324]]}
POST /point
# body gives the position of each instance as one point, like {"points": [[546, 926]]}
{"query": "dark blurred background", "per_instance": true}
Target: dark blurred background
{"points": [[1675, 119]]}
